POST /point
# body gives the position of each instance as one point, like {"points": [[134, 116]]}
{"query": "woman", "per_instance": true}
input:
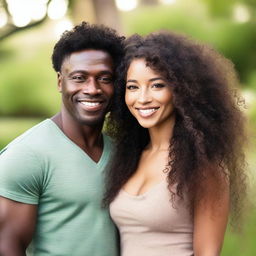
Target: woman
{"points": [[179, 165]]}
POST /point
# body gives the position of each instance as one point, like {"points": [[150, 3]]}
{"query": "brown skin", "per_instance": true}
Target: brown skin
{"points": [[17, 224], [146, 90], [210, 218], [86, 76]]}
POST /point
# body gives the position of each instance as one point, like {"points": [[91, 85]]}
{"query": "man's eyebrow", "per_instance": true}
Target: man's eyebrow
{"points": [[105, 72], [102, 72], [78, 71]]}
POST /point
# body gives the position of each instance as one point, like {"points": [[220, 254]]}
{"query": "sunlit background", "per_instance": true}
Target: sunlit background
{"points": [[29, 29]]}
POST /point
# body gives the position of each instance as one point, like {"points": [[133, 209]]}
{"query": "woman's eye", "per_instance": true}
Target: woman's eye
{"points": [[158, 85], [131, 87]]}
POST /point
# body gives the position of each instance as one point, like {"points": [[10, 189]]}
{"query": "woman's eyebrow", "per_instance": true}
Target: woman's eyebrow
{"points": [[155, 78], [131, 81], [151, 80]]}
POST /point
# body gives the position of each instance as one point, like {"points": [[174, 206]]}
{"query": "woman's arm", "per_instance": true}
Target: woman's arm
{"points": [[211, 217]]}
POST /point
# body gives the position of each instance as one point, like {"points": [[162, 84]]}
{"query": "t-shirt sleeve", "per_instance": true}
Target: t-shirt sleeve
{"points": [[20, 175]]}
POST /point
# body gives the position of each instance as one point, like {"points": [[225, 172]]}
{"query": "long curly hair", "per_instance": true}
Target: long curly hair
{"points": [[208, 135]]}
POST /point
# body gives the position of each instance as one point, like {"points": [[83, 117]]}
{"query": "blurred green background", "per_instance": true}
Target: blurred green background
{"points": [[28, 88]]}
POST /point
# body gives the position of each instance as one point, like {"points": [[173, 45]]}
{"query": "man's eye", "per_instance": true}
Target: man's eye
{"points": [[78, 78], [131, 87], [105, 79]]}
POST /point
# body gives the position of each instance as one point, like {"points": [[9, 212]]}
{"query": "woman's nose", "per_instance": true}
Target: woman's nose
{"points": [[144, 96]]}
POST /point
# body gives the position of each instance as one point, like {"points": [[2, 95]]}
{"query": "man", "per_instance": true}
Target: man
{"points": [[51, 177]]}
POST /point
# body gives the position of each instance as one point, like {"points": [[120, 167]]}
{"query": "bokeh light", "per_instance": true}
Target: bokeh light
{"points": [[241, 13], [3, 18], [39, 10], [57, 9], [23, 11], [126, 5], [167, 1], [20, 20], [61, 26]]}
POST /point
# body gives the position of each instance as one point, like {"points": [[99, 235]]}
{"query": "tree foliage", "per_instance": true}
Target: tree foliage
{"points": [[101, 11], [10, 28]]}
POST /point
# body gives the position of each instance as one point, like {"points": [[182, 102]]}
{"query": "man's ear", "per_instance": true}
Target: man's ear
{"points": [[59, 79]]}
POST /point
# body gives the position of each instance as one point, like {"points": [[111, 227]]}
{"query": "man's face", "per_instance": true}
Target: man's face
{"points": [[86, 84]]}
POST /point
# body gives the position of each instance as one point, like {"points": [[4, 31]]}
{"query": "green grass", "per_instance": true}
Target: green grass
{"points": [[237, 244]]}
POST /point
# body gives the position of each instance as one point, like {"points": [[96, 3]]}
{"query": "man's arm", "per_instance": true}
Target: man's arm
{"points": [[17, 225]]}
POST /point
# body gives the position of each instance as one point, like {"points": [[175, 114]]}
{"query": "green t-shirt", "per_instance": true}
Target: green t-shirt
{"points": [[44, 167]]}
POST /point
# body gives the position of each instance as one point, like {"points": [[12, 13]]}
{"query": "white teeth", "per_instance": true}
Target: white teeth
{"points": [[90, 104], [147, 112]]}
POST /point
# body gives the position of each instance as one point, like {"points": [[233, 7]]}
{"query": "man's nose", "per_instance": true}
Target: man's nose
{"points": [[92, 87]]}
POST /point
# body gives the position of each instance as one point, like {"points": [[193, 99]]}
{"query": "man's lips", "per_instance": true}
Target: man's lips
{"points": [[91, 105]]}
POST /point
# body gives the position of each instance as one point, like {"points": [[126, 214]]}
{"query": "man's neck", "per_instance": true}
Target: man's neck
{"points": [[89, 139]]}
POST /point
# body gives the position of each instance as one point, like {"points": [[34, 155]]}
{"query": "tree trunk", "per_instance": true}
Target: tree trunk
{"points": [[82, 10], [106, 13], [96, 11]]}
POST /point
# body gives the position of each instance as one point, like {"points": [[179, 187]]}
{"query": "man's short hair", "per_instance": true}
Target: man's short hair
{"points": [[85, 36]]}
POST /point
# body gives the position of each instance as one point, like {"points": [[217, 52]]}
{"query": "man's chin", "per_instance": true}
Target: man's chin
{"points": [[91, 121]]}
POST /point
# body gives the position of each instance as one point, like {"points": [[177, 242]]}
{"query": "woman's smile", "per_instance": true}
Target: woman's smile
{"points": [[146, 112], [148, 95]]}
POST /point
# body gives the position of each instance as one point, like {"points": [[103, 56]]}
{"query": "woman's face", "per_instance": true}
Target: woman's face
{"points": [[148, 95]]}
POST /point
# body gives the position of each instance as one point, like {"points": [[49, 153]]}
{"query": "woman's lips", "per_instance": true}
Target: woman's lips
{"points": [[146, 112]]}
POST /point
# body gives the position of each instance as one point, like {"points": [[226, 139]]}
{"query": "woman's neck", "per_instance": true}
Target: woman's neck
{"points": [[160, 135]]}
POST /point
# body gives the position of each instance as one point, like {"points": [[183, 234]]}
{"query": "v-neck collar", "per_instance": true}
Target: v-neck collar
{"points": [[105, 151]]}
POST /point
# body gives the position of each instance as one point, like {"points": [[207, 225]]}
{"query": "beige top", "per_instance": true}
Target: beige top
{"points": [[149, 224]]}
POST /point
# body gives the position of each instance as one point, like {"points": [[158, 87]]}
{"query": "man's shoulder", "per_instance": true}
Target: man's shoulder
{"points": [[22, 167], [29, 152], [34, 136]]}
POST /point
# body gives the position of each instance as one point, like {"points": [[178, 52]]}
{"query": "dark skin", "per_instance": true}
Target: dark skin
{"points": [[86, 84], [17, 225]]}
